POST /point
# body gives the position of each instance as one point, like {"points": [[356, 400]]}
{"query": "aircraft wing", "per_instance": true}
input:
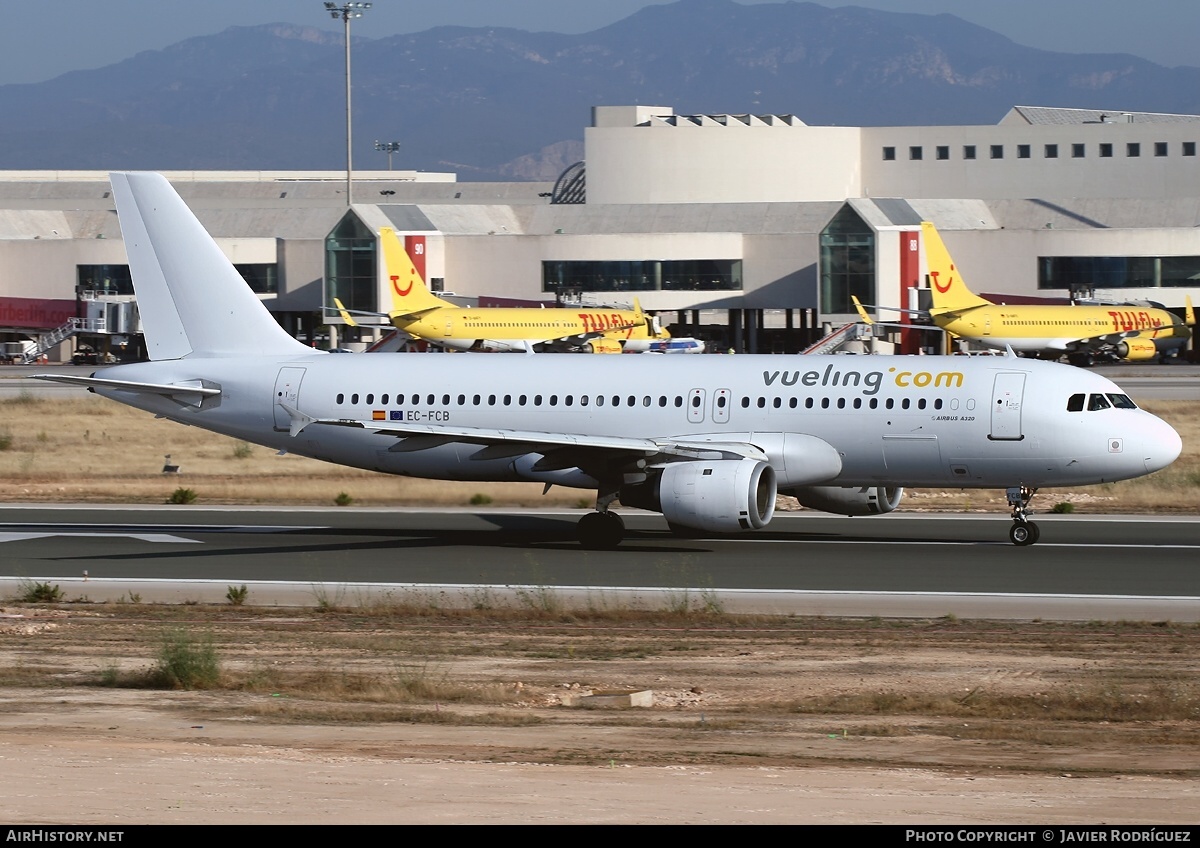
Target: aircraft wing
{"points": [[501, 442]]}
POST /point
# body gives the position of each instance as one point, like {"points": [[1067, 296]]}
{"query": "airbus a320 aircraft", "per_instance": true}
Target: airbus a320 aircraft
{"points": [[419, 312], [706, 442], [1081, 331]]}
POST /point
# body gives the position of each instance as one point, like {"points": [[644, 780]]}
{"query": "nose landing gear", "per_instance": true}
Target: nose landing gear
{"points": [[1023, 531]]}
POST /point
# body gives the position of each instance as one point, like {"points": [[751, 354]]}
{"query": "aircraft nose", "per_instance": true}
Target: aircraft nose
{"points": [[1161, 445]]}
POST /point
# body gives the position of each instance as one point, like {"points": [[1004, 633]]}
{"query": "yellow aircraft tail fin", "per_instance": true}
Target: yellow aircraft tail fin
{"points": [[409, 292], [862, 313], [1189, 314], [949, 291], [346, 316]]}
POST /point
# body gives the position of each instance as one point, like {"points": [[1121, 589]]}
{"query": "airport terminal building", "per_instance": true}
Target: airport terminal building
{"points": [[751, 231]]}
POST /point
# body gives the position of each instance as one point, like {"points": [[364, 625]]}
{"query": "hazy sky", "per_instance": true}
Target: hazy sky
{"points": [[40, 39]]}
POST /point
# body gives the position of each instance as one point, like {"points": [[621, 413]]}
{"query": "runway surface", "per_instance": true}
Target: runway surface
{"points": [[1099, 567]]}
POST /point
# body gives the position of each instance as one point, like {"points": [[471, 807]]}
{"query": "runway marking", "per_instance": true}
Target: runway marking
{"points": [[159, 538]]}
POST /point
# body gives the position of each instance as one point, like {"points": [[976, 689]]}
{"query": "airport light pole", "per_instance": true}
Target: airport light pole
{"points": [[346, 11], [388, 147]]}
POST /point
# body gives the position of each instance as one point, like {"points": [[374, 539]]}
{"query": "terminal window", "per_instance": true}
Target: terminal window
{"points": [[642, 275], [943, 152], [997, 151], [1106, 151], [1023, 151], [1160, 148], [103, 279], [1077, 151], [1189, 148], [1117, 272], [968, 151], [1133, 149], [916, 152], [889, 154], [1051, 151], [847, 262]]}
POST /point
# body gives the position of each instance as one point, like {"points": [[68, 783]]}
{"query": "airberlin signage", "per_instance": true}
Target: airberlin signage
{"points": [[35, 313]]}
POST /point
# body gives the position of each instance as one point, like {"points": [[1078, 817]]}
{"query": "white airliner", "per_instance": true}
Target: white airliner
{"points": [[706, 441]]}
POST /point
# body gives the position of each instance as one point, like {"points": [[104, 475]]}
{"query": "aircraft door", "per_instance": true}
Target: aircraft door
{"points": [[695, 406], [722, 400], [287, 390], [1007, 393]]}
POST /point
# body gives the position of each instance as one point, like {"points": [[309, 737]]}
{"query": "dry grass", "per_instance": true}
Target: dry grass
{"points": [[1055, 697], [91, 450]]}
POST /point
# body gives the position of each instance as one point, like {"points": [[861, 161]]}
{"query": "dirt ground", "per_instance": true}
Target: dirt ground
{"points": [[441, 716]]}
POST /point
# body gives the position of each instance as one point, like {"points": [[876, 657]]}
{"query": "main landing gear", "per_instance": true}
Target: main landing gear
{"points": [[1023, 531], [601, 530]]}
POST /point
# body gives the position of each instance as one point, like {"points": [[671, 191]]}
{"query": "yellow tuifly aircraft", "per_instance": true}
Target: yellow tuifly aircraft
{"points": [[420, 313], [1081, 332]]}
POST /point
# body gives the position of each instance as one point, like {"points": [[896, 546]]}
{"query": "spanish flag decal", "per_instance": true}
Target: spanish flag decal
{"points": [[378, 415]]}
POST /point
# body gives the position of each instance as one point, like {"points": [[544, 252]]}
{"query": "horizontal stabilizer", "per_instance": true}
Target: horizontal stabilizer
{"points": [[193, 391]]}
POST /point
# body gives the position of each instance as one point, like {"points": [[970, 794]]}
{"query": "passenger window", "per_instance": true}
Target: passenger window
{"points": [[341, 398], [371, 398], [777, 402], [824, 403], [508, 400], [1097, 402], [354, 398], [537, 400], [568, 400], [646, 400], [475, 400], [858, 403], [762, 402], [808, 403], [696, 401], [383, 399], [1075, 403], [904, 404], [429, 400], [841, 403], [599, 400], [632, 400], [662, 400], [583, 400], [554, 400], [679, 400], [745, 402], [889, 403], [445, 400], [416, 399]]}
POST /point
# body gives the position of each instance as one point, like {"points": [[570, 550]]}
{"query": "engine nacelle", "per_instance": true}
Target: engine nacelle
{"points": [[849, 500], [1136, 350], [603, 345], [721, 496]]}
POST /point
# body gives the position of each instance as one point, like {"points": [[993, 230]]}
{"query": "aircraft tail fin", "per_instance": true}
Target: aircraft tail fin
{"points": [[193, 302], [862, 313], [1189, 314], [410, 295], [950, 292]]}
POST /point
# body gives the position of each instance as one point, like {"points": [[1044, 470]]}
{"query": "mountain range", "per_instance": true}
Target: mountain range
{"points": [[494, 103]]}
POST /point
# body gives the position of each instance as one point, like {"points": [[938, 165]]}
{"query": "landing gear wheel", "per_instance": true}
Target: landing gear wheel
{"points": [[600, 531], [1024, 533]]}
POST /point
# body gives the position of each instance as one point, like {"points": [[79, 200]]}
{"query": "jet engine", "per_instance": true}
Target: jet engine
{"points": [[1136, 350], [722, 496], [848, 500]]}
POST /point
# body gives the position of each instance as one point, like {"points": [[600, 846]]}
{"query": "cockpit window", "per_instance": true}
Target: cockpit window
{"points": [[1122, 401], [1097, 402], [1075, 403]]}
